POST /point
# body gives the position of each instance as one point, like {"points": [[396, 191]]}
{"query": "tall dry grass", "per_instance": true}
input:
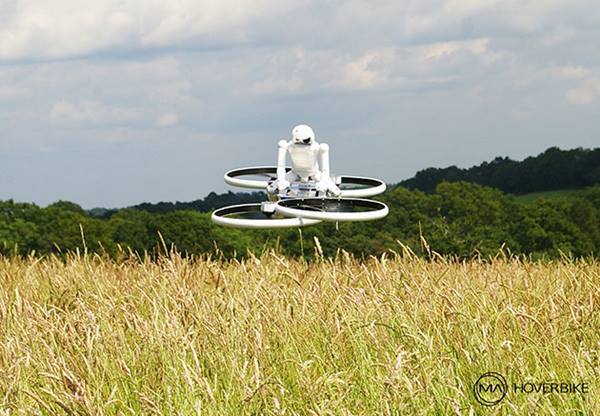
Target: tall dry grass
{"points": [[277, 336]]}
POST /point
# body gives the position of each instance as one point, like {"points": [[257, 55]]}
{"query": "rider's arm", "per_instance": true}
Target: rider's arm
{"points": [[324, 167], [324, 160], [282, 147]]}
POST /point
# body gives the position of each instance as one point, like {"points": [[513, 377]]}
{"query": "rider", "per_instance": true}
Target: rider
{"points": [[310, 162]]}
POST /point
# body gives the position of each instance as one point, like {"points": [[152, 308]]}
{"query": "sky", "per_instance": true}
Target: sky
{"points": [[112, 103]]}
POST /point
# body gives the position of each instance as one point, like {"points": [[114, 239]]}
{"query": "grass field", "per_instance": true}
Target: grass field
{"points": [[270, 335]]}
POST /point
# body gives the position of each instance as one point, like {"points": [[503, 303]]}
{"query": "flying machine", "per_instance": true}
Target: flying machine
{"points": [[304, 193]]}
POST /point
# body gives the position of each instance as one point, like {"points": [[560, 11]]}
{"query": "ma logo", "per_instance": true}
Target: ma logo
{"points": [[490, 388]]}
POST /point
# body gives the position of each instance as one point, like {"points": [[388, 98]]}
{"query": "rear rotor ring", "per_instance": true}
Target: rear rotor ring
{"points": [[235, 177], [369, 186]]}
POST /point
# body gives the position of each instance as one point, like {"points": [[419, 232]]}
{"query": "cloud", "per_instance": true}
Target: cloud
{"points": [[569, 72], [298, 70], [91, 113], [369, 70], [167, 119], [9, 92], [588, 91], [39, 30], [559, 35], [441, 49]]}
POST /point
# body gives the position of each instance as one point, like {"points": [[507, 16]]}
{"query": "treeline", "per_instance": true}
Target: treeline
{"points": [[551, 170], [211, 202], [461, 219]]}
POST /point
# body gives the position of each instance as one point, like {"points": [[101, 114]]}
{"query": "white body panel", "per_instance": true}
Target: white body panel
{"points": [[304, 160], [309, 162]]}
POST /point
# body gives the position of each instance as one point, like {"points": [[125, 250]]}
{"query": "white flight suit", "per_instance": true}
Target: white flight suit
{"points": [[310, 162]]}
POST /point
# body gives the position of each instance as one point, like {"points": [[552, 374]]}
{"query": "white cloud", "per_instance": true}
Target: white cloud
{"points": [[91, 112], [569, 72], [559, 35], [300, 71], [39, 29], [9, 92], [369, 70], [441, 49], [588, 91], [167, 119], [508, 16]]}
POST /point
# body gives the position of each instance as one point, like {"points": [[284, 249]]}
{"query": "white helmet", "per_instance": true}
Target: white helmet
{"points": [[303, 134]]}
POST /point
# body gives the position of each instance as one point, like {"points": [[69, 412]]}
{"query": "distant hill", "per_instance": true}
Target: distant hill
{"points": [[209, 203], [554, 169]]}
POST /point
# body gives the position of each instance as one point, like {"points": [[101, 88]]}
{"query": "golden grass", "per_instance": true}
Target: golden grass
{"points": [[277, 336]]}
